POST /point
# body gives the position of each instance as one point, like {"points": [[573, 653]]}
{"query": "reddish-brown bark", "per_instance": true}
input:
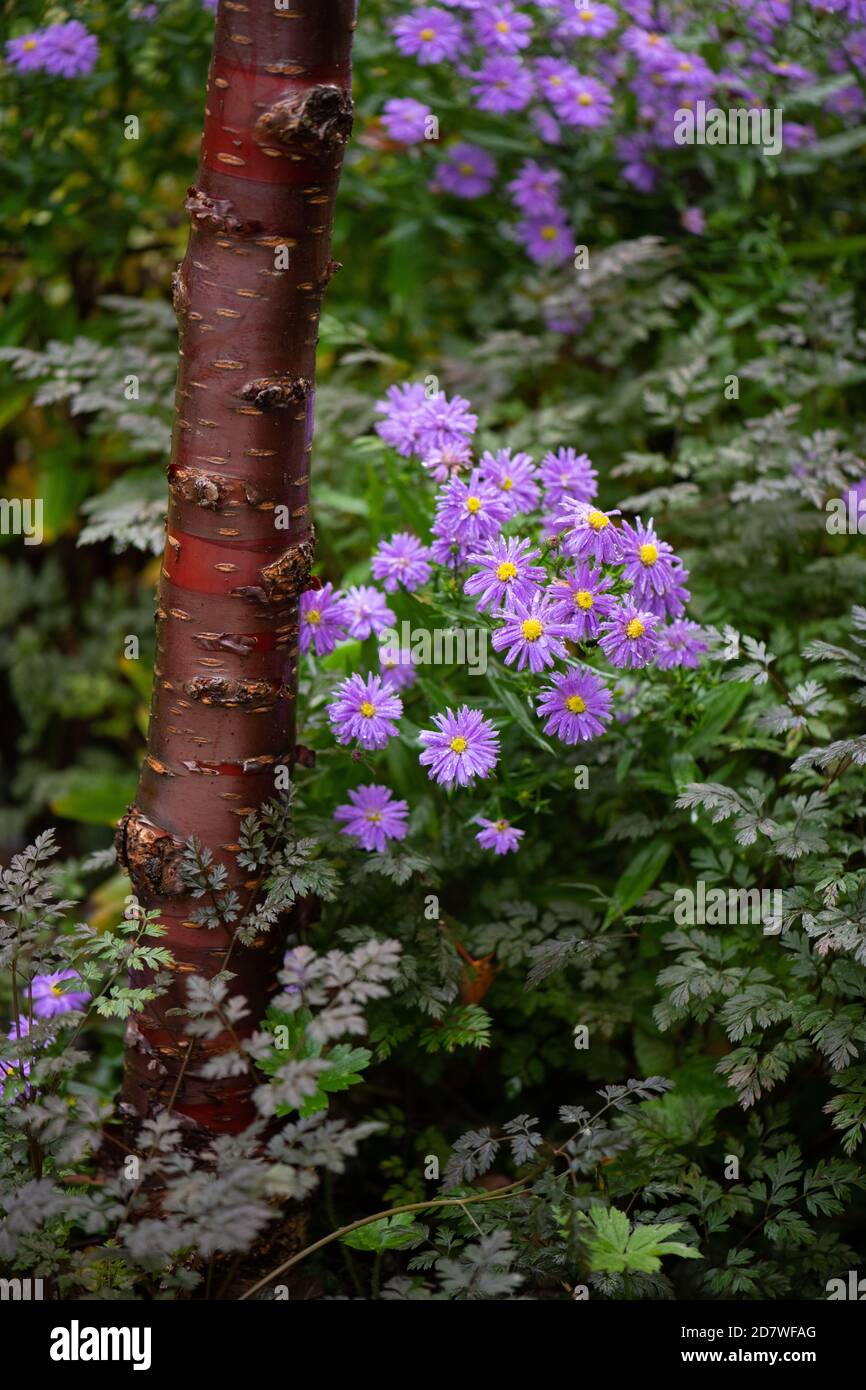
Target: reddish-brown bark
{"points": [[239, 534]]}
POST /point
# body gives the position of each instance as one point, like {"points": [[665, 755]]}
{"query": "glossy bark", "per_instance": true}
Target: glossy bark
{"points": [[239, 534]]}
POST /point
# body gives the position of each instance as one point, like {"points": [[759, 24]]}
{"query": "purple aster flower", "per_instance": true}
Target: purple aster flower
{"points": [[501, 26], [406, 119], [794, 72], [443, 422], [547, 238], [515, 478], [448, 551], [535, 190], [590, 533], [400, 408], [441, 464], [322, 619], [689, 70], [568, 476], [589, 21], [501, 85], [499, 835], [650, 48], [555, 77], [68, 50], [672, 602], [14, 1067], [629, 638], [463, 746], [25, 52], [632, 150], [641, 11], [506, 573], [648, 560], [467, 172], [398, 667], [49, 997], [580, 600], [401, 560], [531, 634], [429, 34], [469, 511], [694, 221], [374, 817], [366, 611], [545, 126], [576, 706], [585, 102], [365, 710], [795, 135], [680, 644]]}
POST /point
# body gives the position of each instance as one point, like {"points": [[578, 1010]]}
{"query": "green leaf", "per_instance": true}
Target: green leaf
{"points": [[641, 874], [97, 798], [614, 1246], [720, 706], [345, 1066], [517, 708], [391, 1233]]}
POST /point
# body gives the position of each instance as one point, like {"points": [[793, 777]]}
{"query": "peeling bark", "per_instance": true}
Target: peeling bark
{"points": [[240, 540]]}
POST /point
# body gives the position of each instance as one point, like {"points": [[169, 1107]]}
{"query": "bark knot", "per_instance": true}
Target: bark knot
{"points": [[179, 293], [320, 117], [231, 692], [151, 856], [216, 213], [194, 486], [283, 578], [277, 392]]}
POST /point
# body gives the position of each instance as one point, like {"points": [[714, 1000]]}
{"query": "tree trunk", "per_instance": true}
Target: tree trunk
{"points": [[239, 535]]}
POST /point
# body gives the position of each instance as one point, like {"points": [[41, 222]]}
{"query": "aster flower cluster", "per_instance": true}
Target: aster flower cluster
{"points": [[568, 69], [571, 592], [60, 50]]}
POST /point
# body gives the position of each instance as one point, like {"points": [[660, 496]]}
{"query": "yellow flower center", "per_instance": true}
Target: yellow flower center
{"points": [[584, 99], [473, 504], [314, 616], [507, 484], [368, 709], [653, 38], [635, 629], [467, 169], [531, 629], [548, 233], [685, 65], [458, 744], [507, 570], [586, 14], [427, 35], [648, 554], [374, 816], [29, 45], [597, 520], [576, 704], [503, 27], [583, 599], [56, 991], [500, 825], [783, 67]]}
